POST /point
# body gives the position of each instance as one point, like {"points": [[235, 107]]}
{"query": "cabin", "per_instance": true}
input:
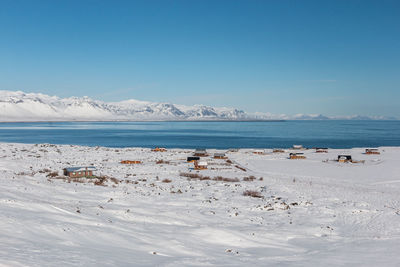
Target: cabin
{"points": [[131, 162], [278, 150], [220, 156], [258, 152], [200, 165], [344, 158], [372, 151], [192, 159], [296, 156], [200, 152], [77, 172], [321, 150], [298, 147], [159, 149]]}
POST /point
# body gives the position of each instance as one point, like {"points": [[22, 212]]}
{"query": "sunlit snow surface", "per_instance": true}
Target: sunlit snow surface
{"points": [[312, 212]]}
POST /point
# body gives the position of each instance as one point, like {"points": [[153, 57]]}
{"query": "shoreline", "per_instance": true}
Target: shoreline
{"points": [[208, 120], [208, 148]]}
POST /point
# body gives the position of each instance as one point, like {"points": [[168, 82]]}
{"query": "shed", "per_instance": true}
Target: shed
{"points": [[131, 162], [219, 156], [77, 172], [344, 158], [297, 156], [200, 165], [278, 150], [192, 159], [371, 151], [321, 150], [200, 152], [159, 149]]}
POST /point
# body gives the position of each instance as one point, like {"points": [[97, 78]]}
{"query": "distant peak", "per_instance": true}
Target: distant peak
{"points": [[21, 106]]}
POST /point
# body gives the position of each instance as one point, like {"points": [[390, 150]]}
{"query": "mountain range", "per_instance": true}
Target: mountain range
{"points": [[20, 106]]}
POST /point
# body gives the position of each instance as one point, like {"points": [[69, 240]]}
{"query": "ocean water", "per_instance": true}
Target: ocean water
{"points": [[222, 135]]}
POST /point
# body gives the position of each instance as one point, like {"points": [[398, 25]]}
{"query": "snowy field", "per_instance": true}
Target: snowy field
{"points": [[309, 212]]}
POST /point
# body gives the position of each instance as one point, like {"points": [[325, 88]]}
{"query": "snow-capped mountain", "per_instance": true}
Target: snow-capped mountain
{"points": [[20, 106], [310, 117]]}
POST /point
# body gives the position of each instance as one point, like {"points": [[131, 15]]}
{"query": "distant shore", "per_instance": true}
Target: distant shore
{"points": [[50, 121], [208, 120], [266, 150]]}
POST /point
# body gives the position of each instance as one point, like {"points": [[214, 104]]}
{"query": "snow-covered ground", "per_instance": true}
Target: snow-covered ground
{"points": [[311, 212]]}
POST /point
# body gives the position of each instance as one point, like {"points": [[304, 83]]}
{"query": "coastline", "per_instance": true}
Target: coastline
{"points": [[198, 120], [266, 149], [217, 120]]}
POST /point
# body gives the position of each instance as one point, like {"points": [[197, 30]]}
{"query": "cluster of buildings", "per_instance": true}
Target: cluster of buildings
{"points": [[199, 164]]}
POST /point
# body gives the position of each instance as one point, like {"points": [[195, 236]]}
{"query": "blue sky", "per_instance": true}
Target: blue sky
{"points": [[330, 57]]}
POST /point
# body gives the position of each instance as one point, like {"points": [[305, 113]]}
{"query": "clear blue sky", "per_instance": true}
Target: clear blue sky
{"points": [[330, 57]]}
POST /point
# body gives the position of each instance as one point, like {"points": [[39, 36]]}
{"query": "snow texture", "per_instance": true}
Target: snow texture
{"points": [[247, 210]]}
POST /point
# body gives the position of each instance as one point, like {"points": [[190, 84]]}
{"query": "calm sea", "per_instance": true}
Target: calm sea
{"points": [[223, 135]]}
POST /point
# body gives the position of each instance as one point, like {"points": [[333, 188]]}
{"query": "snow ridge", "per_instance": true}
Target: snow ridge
{"points": [[21, 106]]}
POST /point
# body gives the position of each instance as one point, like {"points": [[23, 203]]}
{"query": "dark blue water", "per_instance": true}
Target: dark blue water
{"points": [[333, 134]]}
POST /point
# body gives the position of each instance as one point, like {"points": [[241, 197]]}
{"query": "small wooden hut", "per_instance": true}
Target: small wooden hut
{"points": [[192, 159], [77, 172], [220, 156], [321, 150], [297, 156], [131, 162], [344, 158], [200, 152], [200, 165], [159, 149], [372, 151]]}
